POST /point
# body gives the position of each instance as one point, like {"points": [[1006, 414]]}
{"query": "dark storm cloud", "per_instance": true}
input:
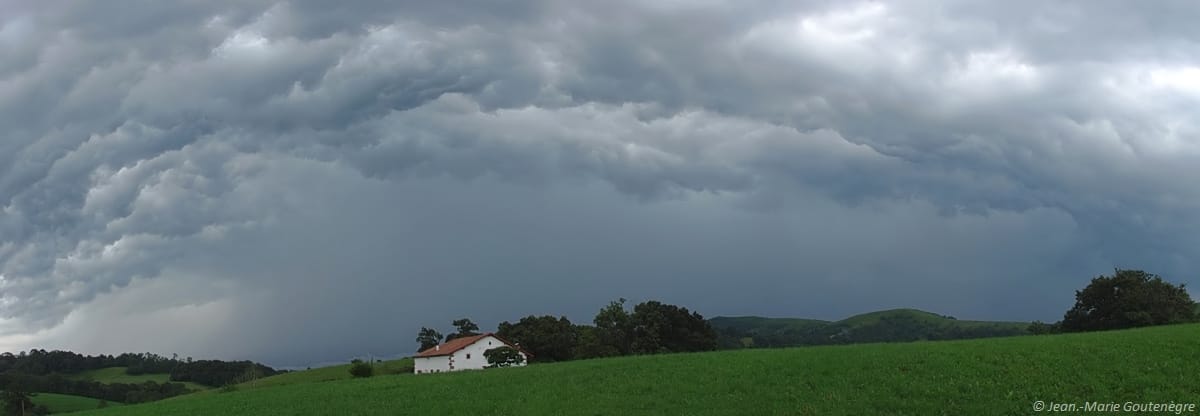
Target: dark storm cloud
{"points": [[205, 170]]}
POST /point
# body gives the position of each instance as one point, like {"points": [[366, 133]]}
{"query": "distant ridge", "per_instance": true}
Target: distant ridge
{"points": [[894, 325]]}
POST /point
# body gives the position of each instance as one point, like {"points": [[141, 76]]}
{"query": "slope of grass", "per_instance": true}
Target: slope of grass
{"points": [[872, 318], [118, 375], [983, 376], [63, 403], [332, 373]]}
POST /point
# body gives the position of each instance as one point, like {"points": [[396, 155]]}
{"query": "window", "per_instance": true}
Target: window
{"points": [[468, 356]]}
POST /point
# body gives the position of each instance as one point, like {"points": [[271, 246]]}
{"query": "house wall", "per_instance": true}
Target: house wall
{"points": [[423, 365], [471, 357]]}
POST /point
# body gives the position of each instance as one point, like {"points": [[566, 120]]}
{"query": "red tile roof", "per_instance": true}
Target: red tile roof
{"points": [[459, 343]]}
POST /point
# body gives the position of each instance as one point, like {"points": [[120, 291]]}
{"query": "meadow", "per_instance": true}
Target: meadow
{"points": [[118, 375], [64, 403], [981, 376], [331, 373]]}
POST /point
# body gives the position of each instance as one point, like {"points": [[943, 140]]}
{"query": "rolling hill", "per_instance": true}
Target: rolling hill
{"points": [[982, 376], [118, 375], [331, 373], [896, 325]]}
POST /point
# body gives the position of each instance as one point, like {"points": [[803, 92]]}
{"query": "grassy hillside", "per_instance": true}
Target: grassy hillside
{"points": [[882, 326], [118, 375], [333, 373], [757, 331], [984, 376], [62, 403]]}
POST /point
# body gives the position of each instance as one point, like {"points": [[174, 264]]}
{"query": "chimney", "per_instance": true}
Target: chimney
{"points": [[437, 347]]}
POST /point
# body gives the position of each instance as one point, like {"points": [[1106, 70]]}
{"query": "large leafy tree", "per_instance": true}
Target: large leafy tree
{"points": [[614, 327], [659, 327], [465, 328], [653, 327], [590, 345], [548, 338], [1127, 299], [428, 338]]}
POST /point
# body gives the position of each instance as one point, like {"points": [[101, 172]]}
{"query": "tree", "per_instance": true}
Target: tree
{"points": [[17, 402], [465, 328], [659, 327], [614, 327], [589, 344], [503, 357], [428, 338], [546, 337], [219, 373], [1127, 299]]}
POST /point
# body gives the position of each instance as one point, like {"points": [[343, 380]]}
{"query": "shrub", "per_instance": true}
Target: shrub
{"points": [[359, 369]]}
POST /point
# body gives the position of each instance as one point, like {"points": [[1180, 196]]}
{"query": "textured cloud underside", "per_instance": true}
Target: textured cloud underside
{"points": [[200, 171]]}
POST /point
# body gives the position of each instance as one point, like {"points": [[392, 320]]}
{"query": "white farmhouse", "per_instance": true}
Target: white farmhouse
{"points": [[464, 353]]}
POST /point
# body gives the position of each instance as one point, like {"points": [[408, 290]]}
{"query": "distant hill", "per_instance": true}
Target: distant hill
{"points": [[125, 378], [109, 375], [896, 325]]}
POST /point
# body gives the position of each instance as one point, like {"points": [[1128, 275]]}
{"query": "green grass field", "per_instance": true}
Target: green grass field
{"points": [[117, 375], [62, 403], [982, 376], [333, 373]]}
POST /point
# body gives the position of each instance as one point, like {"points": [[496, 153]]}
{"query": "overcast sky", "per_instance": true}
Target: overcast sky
{"points": [[307, 181]]}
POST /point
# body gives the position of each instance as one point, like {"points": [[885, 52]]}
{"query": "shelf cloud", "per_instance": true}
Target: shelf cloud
{"points": [[295, 182]]}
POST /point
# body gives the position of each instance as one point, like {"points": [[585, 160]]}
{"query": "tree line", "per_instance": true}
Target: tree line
{"points": [[207, 372], [115, 392], [651, 327], [44, 371], [1126, 299]]}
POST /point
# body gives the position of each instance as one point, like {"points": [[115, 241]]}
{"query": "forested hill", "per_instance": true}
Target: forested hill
{"points": [[897, 325], [208, 372], [60, 372]]}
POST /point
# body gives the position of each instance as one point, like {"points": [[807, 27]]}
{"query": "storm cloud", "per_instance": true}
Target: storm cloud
{"points": [[297, 182]]}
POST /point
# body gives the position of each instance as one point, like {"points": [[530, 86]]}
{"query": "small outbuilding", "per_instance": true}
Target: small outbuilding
{"points": [[464, 353]]}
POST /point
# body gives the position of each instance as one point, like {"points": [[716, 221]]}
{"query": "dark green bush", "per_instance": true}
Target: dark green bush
{"points": [[359, 369]]}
